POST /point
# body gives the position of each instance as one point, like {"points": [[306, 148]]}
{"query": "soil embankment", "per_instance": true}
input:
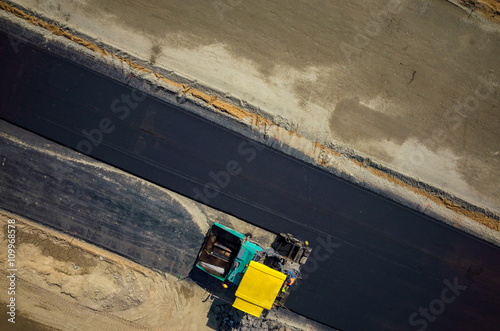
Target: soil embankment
{"points": [[67, 284], [489, 9]]}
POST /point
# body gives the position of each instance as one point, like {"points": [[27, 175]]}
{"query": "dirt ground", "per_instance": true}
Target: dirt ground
{"points": [[490, 9], [64, 283]]}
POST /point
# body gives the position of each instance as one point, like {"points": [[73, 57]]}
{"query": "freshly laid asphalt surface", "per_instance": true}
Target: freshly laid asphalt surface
{"points": [[375, 262], [50, 184]]}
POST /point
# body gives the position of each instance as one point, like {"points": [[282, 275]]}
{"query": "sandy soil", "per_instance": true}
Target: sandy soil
{"points": [[67, 284], [490, 9]]}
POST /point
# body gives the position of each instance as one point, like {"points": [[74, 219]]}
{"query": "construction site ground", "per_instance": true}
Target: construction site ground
{"points": [[63, 283], [413, 86], [413, 103]]}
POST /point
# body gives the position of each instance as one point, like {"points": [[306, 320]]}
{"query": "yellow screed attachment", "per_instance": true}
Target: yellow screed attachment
{"points": [[258, 289]]}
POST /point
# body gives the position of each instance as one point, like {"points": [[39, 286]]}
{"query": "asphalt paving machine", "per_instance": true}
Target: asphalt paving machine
{"points": [[263, 276]]}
